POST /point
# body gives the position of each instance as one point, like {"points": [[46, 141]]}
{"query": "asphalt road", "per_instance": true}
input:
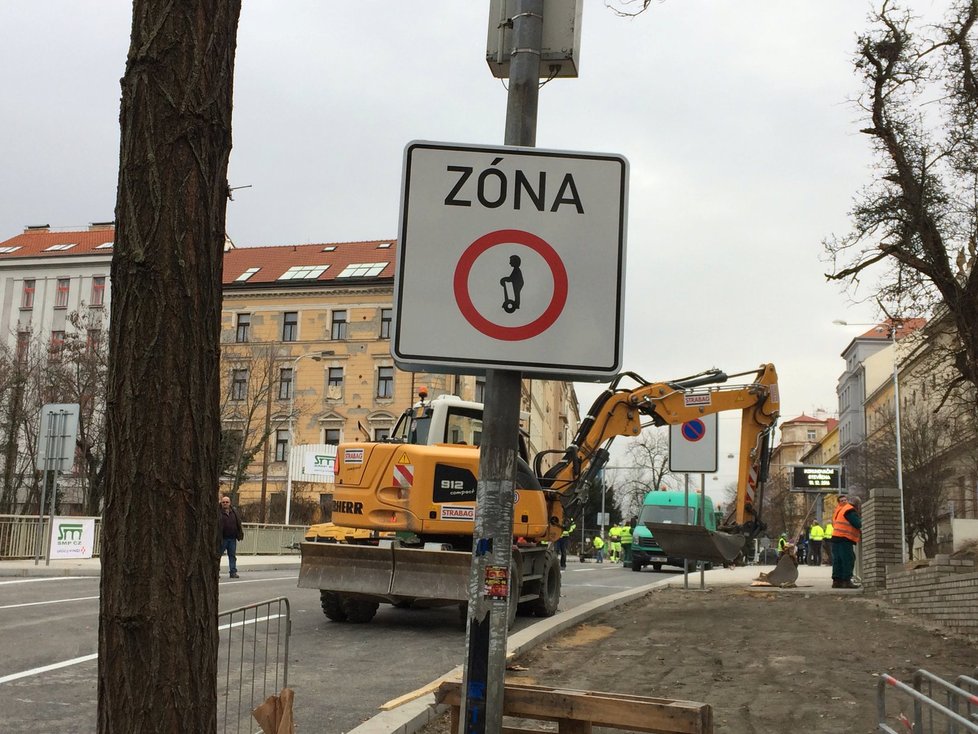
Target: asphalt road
{"points": [[341, 673]]}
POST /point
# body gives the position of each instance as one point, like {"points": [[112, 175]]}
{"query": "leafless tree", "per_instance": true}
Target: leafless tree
{"points": [[158, 638], [915, 227], [649, 454]]}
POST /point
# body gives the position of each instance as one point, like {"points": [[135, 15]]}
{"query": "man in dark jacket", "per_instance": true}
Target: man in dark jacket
{"points": [[231, 532]]}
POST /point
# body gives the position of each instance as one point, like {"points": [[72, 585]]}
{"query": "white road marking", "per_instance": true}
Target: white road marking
{"points": [[48, 668], [94, 656], [225, 582], [51, 601], [47, 578]]}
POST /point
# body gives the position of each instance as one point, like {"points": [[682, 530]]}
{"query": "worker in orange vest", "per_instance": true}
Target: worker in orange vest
{"points": [[846, 530]]}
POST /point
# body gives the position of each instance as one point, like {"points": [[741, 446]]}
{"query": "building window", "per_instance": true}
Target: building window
{"points": [[57, 345], [61, 293], [281, 445], [480, 389], [331, 436], [811, 434], [98, 291], [285, 383], [335, 378], [290, 326], [385, 382], [339, 325], [239, 384], [243, 328], [382, 434], [386, 317], [27, 298]]}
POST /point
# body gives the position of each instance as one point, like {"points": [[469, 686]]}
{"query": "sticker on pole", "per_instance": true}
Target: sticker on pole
{"points": [[507, 257]]}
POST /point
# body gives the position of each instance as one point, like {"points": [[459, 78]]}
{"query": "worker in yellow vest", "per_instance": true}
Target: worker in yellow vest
{"points": [[626, 541], [827, 539], [815, 536], [562, 543], [598, 544], [614, 543]]}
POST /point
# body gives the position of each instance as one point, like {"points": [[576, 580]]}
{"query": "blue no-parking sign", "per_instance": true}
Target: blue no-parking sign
{"points": [[693, 445]]}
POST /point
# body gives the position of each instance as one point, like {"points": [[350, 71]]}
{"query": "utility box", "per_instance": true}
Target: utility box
{"points": [[561, 38]]}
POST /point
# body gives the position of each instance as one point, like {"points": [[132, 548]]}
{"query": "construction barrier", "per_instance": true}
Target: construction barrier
{"points": [[938, 717], [253, 660]]}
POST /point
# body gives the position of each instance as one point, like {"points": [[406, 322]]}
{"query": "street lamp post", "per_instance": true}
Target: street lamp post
{"points": [[316, 357], [896, 416]]}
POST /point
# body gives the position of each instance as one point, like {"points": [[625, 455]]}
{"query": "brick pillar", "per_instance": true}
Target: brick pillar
{"points": [[881, 536]]}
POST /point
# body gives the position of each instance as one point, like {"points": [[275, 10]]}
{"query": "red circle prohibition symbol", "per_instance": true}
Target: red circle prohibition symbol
{"points": [[694, 430], [497, 331]]}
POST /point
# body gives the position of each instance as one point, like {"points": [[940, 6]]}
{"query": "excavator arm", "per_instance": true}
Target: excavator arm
{"points": [[621, 411]]}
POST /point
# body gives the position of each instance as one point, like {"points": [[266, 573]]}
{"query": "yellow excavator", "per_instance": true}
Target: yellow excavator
{"points": [[421, 485]]}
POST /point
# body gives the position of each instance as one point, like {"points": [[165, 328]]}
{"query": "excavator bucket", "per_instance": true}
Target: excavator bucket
{"points": [[361, 569], [695, 542], [785, 572], [431, 574]]}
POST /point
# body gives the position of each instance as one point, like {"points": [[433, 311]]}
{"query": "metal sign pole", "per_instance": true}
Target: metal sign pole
{"points": [[48, 459], [703, 525], [61, 421], [686, 520], [486, 631]]}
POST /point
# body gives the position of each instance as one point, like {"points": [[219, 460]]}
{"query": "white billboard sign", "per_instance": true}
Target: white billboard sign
{"points": [[313, 462], [510, 258], [72, 537], [693, 445]]}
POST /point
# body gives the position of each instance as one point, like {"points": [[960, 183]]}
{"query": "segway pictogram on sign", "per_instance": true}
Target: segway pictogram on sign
{"points": [[506, 257], [512, 284]]}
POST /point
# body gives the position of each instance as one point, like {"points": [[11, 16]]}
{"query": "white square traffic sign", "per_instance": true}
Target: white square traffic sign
{"points": [[510, 258]]}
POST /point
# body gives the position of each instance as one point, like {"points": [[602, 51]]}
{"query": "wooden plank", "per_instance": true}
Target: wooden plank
{"points": [[622, 711], [571, 726]]}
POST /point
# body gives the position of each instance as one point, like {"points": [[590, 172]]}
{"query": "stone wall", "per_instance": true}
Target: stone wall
{"points": [[945, 592], [880, 545]]}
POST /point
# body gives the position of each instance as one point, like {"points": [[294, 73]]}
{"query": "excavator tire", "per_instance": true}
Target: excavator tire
{"points": [[332, 605], [515, 585], [359, 611], [545, 605]]}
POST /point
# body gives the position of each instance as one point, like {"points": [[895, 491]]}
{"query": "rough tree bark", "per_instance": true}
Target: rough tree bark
{"points": [[158, 616]]}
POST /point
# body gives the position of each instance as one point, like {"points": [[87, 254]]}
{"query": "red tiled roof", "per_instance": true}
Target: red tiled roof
{"points": [[35, 243], [903, 327], [804, 419], [271, 261], [831, 423], [274, 261]]}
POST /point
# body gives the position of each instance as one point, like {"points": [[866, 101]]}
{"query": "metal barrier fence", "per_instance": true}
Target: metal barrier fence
{"points": [[938, 717], [18, 537], [253, 661]]}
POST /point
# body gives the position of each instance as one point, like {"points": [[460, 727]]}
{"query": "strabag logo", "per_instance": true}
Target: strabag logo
{"points": [[456, 512], [697, 399], [353, 456]]}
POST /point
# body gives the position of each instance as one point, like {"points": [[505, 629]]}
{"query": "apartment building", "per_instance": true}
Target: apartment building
{"points": [[46, 275], [306, 333], [305, 336]]}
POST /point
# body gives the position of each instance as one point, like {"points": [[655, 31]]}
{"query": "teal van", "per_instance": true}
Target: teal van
{"points": [[666, 507]]}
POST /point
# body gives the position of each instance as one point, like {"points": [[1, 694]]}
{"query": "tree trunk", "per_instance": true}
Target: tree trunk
{"points": [[158, 617]]}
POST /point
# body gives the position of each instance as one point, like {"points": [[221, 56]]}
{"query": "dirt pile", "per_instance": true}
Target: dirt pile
{"points": [[767, 660]]}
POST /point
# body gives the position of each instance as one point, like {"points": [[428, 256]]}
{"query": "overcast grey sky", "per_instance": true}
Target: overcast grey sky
{"points": [[744, 152]]}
